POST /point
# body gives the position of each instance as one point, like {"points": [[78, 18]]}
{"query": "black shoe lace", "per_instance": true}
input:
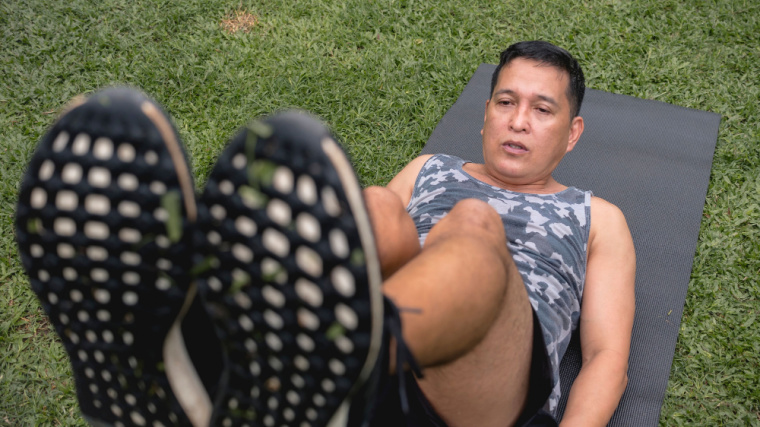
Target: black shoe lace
{"points": [[404, 356]]}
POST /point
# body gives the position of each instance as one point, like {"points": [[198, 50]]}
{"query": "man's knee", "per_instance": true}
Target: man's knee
{"points": [[382, 200], [395, 232], [388, 213], [478, 212], [472, 216]]}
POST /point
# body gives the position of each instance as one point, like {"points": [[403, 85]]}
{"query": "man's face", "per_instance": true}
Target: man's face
{"points": [[527, 127]]}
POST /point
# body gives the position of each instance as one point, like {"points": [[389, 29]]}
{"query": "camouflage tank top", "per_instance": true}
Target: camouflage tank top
{"points": [[547, 235]]}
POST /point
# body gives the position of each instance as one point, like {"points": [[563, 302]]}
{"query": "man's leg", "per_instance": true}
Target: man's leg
{"points": [[293, 281], [104, 218], [472, 328]]}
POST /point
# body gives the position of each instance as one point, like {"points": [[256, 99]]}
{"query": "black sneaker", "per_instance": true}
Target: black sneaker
{"points": [[293, 282], [104, 223]]}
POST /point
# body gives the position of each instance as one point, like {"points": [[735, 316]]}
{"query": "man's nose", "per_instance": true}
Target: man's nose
{"points": [[519, 122]]}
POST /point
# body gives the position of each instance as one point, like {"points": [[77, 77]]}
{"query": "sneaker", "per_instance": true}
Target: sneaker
{"points": [[293, 281], [103, 223]]}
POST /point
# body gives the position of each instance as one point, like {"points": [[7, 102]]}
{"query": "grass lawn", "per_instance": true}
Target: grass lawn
{"points": [[382, 73]]}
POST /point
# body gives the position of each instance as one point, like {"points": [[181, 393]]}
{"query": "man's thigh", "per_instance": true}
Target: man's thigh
{"points": [[422, 414], [488, 385]]}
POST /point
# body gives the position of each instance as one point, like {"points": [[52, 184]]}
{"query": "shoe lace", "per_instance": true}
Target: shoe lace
{"points": [[404, 356]]}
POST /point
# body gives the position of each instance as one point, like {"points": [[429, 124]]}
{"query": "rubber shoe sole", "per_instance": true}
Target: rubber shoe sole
{"points": [[293, 280], [103, 225]]}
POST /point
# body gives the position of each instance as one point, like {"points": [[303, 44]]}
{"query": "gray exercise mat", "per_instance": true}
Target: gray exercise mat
{"points": [[651, 159]]}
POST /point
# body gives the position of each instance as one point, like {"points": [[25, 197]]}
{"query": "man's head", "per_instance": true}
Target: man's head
{"points": [[531, 119], [547, 54]]}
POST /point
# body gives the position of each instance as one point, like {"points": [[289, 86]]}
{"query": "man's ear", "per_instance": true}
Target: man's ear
{"points": [[485, 114], [576, 129]]}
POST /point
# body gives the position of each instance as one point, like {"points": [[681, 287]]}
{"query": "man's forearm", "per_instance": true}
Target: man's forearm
{"points": [[597, 390]]}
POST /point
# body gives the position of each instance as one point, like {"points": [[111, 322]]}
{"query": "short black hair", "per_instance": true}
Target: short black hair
{"points": [[546, 53]]}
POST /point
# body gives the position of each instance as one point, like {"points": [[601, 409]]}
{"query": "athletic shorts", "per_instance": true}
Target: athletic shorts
{"points": [[388, 413]]}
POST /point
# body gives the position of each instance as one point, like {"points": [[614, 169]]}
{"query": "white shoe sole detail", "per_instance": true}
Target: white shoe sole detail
{"points": [[183, 377], [175, 151], [340, 418], [364, 226]]}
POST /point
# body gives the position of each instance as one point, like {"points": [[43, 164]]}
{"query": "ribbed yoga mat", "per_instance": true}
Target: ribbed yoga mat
{"points": [[652, 160]]}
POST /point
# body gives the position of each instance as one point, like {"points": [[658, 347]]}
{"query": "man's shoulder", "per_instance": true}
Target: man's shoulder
{"points": [[605, 210], [440, 158], [403, 183], [412, 169], [608, 222], [602, 204], [422, 159]]}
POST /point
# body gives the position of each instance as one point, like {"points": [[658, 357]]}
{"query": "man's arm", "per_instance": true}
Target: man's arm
{"points": [[403, 183], [606, 319]]}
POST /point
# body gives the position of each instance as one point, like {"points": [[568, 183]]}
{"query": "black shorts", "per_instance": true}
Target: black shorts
{"points": [[388, 413]]}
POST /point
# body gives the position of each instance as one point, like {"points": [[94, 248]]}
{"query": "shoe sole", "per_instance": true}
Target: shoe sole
{"points": [[102, 227], [294, 280]]}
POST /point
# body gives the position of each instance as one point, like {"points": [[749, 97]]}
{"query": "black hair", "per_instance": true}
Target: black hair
{"points": [[547, 54]]}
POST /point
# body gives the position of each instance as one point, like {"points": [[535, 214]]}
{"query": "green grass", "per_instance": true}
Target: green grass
{"points": [[382, 73]]}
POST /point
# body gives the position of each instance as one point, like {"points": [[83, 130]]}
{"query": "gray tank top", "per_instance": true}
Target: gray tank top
{"points": [[547, 235]]}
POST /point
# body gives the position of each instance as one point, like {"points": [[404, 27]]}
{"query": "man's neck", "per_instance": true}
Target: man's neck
{"points": [[546, 185]]}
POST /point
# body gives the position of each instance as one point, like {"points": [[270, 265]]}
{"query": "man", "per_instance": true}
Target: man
{"points": [[531, 121], [288, 262]]}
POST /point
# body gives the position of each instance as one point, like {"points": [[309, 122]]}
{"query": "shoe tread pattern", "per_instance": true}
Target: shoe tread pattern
{"points": [[93, 237], [288, 288]]}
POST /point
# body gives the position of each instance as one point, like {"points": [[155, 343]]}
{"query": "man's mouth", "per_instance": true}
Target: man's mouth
{"points": [[514, 147]]}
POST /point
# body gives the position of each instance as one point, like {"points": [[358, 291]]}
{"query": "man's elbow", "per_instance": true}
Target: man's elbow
{"points": [[624, 382], [615, 365], [622, 374]]}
